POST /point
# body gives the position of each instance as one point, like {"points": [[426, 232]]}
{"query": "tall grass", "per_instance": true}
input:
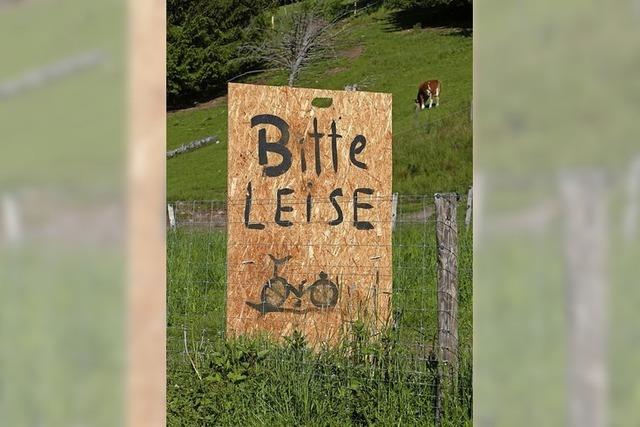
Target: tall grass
{"points": [[361, 382], [387, 380]]}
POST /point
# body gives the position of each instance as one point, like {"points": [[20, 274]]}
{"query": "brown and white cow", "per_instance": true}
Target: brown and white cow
{"points": [[428, 91]]}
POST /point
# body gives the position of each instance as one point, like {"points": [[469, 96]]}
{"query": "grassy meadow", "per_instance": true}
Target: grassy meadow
{"points": [[387, 380], [432, 149]]}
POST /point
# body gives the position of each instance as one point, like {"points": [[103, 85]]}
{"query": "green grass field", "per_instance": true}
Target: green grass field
{"points": [[386, 380], [432, 149], [63, 131]]}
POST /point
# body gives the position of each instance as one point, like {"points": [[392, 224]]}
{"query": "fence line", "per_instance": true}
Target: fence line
{"points": [[191, 146], [39, 76]]}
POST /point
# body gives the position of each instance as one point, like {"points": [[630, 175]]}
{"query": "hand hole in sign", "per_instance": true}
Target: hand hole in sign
{"points": [[322, 102]]}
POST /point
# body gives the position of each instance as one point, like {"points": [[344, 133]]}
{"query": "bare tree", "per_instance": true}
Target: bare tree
{"points": [[305, 36]]}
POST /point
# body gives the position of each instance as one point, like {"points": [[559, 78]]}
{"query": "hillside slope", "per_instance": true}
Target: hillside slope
{"points": [[432, 148]]}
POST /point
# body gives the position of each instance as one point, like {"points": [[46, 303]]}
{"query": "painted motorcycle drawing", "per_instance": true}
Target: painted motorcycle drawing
{"points": [[323, 292]]}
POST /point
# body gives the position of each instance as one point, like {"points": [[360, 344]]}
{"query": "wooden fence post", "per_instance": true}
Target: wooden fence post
{"points": [[447, 241], [394, 210], [467, 219], [631, 217], [172, 216], [12, 219], [586, 201]]}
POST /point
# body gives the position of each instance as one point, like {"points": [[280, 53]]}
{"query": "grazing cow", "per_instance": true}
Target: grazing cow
{"points": [[429, 90]]}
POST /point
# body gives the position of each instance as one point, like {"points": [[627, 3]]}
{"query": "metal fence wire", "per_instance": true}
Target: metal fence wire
{"points": [[196, 292]]}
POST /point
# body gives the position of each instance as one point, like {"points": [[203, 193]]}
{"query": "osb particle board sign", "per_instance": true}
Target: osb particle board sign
{"points": [[309, 211]]}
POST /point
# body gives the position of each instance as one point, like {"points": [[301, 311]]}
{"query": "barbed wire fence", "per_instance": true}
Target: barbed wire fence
{"points": [[431, 296]]}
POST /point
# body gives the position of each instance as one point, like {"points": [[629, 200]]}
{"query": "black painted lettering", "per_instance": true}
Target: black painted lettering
{"points": [[277, 147], [303, 160], [316, 137], [335, 193], [334, 145], [308, 208], [279, 208], [247, 212], [361, 225], [357, 145]]}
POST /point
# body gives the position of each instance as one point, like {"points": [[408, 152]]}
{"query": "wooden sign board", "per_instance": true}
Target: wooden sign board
{"points": [[309, 211]]}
